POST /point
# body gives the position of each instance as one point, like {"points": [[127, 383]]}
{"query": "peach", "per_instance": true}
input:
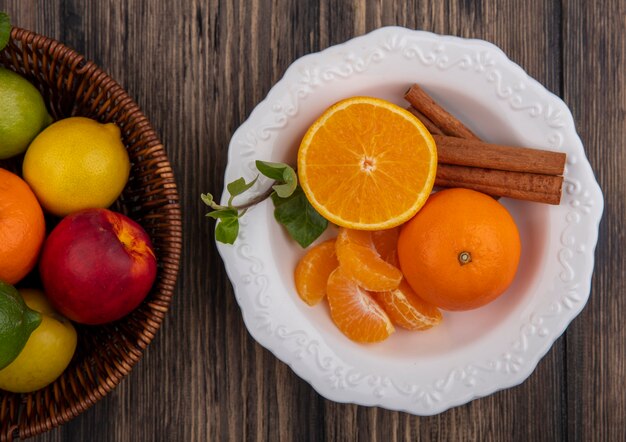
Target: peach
{"points": [[97, 266]]}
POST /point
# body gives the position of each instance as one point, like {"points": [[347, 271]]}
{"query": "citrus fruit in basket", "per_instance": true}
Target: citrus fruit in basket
{"points": [[461, 250], [23, 113], [47, 353], [17, 322], [354, 311], [22, 228], [367, 164], [76, 164], [361, 262], [312, 272]]}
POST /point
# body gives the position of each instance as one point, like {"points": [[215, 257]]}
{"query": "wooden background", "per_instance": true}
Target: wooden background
{"points": [[197, 69]]}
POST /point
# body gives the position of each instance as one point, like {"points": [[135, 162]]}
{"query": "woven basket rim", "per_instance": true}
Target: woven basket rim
{"points": [[172, 251]]}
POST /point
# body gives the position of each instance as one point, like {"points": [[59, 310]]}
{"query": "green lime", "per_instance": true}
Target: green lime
{"points": [[17, 322], [23, 113]]}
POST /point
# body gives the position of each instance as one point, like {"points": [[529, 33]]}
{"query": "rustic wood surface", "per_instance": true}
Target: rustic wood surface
{"points": [[197, 69]]}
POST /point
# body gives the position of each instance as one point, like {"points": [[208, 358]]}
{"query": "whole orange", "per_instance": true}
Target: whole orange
{"points": [[461, 250], [22, 228]]}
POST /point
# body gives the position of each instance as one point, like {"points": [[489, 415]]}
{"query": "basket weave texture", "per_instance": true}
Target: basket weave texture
{"points": [[73, 86]]}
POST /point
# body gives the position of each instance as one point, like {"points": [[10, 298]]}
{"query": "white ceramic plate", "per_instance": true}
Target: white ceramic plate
{"points": [[471, 354]]}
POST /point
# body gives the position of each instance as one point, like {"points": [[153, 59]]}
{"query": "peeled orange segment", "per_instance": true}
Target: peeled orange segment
{"points": [[312, 272], [362, 238], [386, 244], [361, 262], [407, 310], [367, 164], [355, 312]]}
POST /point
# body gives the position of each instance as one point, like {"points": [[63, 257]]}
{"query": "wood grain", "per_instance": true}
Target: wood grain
{"points": [[197, 68], [594, 86]]}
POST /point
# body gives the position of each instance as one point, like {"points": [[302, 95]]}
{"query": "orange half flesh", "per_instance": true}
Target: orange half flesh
{"points": [[367, 164]]}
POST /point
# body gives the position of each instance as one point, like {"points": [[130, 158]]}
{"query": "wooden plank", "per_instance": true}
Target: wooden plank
{"points": [[197, 68], [594, 53]]}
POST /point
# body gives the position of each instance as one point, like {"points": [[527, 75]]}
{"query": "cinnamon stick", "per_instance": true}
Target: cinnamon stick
{"points": [[465, 161], [520, 185], [466, 152], [442, 119], [432, 128]]}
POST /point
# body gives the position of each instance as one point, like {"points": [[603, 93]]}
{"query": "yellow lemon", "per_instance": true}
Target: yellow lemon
{"points": [[47, 353], [76, 164]]}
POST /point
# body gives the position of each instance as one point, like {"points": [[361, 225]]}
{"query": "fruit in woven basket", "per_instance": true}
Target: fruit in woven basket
{"points": [[97, 266], [17, 322], [77, 164], [22, 228], [23, 113], [367, 164], [461, 251], [47, 353]]}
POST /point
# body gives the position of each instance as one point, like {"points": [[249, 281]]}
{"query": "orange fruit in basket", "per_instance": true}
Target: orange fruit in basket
{"points": [[361, 262], [408, 310], [367, 164], [22, 228], [354, 311], [312, 272], [461, 250]]}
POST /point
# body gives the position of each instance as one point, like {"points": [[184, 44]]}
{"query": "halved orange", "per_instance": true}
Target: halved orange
{"points": [[367, 164], [312, 272], [355, 312], [408, 310]]}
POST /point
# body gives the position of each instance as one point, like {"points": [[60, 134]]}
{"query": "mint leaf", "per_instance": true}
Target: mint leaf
{"points": [[290, 180], [291, 208], [223, 213], [5, 30], [284, 190], [272, 170], [227, 230], [300, 219], [239, 186], [282, 173], [207, 198]]}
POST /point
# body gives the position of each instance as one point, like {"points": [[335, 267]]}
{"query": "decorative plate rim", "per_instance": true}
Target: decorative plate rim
{"points": [[305, 351]]}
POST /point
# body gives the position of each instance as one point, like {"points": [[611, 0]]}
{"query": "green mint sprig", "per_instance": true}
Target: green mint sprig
{"points": [[291, 207], [5, 30]]}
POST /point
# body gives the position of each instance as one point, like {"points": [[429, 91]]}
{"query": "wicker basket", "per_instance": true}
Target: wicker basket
{"points": [[73, 86]]}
